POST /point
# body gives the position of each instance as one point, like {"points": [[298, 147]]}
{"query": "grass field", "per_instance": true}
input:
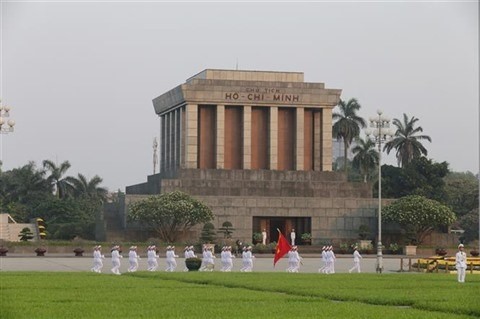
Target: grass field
{"points": [[236, 295]]}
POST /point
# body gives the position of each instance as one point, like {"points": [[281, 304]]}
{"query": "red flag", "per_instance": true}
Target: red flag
{"points": [[282, 248]]}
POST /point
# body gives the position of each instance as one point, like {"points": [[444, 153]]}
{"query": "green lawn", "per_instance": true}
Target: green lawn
{"points": [[236, 295]]}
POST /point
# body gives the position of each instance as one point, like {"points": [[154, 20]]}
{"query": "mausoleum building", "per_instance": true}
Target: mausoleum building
{"points": [[256, 146]]}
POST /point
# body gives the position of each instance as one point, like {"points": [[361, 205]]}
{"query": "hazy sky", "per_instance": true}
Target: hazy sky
{"points": [[80, 77]]}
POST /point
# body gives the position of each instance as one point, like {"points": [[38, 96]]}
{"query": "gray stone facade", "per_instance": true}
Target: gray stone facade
{"points": [[336, 207]]}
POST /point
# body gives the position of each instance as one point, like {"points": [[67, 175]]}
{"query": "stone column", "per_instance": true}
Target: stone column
{"points": [[273, 138], [247, 137], [178, 137], [191, 138], [168, 145], [327, 139], [300, 137], [220, 137], [317, 143], [182, 137], [161, 146]]}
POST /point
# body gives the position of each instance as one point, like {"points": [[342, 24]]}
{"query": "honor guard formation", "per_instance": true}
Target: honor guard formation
{"points": [[208, 259]]}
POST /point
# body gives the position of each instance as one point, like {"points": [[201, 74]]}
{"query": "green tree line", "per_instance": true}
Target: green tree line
{"points": [[415, 175], [68, 204]]}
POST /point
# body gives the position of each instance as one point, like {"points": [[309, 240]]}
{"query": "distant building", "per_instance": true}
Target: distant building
{"points": [[256, 146]]}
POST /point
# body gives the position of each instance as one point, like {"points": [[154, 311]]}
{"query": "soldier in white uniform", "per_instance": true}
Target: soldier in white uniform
{"points": [[116, 260], [249, 259], [461, 263], [229, 259], [296, 259], [189, 253], [244, 259], [152, 258], [264, 237], [356, 260], [323, 267], [133, 259], [290, 260], [223, 259], [292, 236], [186, 254], [203, 267], [97, 259], [209, 260], [171, 262], [330, 269]]}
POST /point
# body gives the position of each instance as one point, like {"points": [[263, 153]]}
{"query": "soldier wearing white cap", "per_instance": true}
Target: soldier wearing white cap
{"points": [[296, 259], [116, 259], [133, 259], [248, 259], [330, 269], [356, 260], [97, 259], [461, 263], [244, 259], [171, 262], [229, 259], [290, 260], [203, 266], [323, 267], [186, 254], [152, 258], [223, 258], [209, 259], [192, 252]]}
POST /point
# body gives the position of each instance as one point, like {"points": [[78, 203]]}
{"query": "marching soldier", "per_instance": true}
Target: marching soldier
{"points": [[133, 259], [116, 260], [97, 259], [152, 258], [356, 260]]}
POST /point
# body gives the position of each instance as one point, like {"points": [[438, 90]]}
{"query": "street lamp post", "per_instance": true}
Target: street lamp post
{"points": [[5, 127], [380, 133], [5, 112]]}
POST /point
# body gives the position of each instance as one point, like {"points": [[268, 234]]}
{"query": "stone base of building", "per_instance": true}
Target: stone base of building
{"points": [[324, 204]]}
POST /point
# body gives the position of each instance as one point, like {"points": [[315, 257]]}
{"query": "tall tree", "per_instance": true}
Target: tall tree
{"points": [[170, 214], [82, 187], [348, 124], [21, 190], [461, 192], [418, 215], [407, 141], [56, 179], [365, 157], [421, 177]]}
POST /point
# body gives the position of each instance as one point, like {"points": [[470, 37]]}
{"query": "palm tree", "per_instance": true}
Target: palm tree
{"points": [[365, 156], [348, 124], [61, 185], [407, 141], [22, 184], [82, 187]]}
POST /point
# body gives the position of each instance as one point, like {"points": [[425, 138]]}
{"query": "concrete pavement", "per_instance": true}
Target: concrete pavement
{"points": [[262, 263]]}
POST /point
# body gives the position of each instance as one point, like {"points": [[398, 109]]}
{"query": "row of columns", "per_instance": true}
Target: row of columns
{"points": [[179, 138]]}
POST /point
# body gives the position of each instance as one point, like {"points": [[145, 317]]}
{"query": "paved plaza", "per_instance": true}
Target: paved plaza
{"points": [[262, 263]]}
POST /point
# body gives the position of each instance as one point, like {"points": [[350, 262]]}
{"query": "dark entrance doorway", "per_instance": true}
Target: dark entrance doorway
{"points": [[284, 224]]}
